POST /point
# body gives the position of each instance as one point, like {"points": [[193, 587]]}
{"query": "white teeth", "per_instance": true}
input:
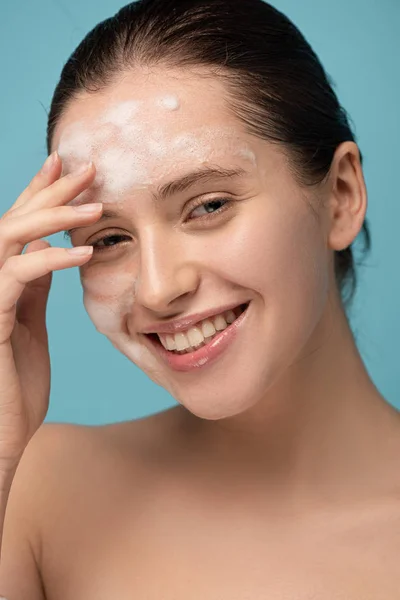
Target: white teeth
{"points": [[195, 336], [199, 335], [169, 343], [181, 341], [208, 328], [220, 323], [230, 316]]}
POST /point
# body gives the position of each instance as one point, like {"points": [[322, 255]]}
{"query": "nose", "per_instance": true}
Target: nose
{"points": [[167, 271]]}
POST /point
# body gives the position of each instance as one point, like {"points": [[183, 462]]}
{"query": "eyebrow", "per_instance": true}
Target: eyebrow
{"points": [[180, 185]]}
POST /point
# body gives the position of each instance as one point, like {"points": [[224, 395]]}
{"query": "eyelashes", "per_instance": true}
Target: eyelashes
{"points": [[120, 238], [213, 201], [109, 237]]}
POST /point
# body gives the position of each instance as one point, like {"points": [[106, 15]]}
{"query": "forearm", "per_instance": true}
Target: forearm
{"points": [[6, 479], [5, 487]]}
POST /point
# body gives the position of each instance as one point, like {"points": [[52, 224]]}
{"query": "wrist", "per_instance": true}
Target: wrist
{"points": [[7, 473]]}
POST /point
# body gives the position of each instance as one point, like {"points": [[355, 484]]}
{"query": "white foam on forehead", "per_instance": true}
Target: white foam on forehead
{"points": [[123, 169], [193, 145], [138, 153], [157, 145], [121, 114], [76, 142], [248, 154], [127, 167], [169, 102], [101, 134], [79, 143], [133, 132]]}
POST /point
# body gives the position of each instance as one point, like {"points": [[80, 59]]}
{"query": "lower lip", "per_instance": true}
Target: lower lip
{"points": [[206, 354]]}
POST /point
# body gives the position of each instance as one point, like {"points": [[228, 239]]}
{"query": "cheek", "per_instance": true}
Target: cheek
{"points": [[108, 299], [105, 315], [279, 254], [280, 258], [108, 320]]}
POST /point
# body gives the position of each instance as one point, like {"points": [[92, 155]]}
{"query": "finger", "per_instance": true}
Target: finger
{"points": [[50, 172], [16, 232], [32, 304], [34, 246], [20, 270], [61, 191]]}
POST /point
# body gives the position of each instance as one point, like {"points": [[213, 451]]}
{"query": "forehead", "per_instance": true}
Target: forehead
{"points": [[149, 126], [151, 102]]}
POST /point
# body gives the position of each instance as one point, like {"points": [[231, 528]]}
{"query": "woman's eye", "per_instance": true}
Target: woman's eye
{"points": [[114, 240], [109, 241], [223, 201]]}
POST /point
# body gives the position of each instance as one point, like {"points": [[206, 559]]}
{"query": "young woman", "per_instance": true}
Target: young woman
{"points": [[213, 229]]}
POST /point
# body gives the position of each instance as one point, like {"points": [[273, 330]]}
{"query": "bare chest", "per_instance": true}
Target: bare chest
{"points": [[168, 547]]}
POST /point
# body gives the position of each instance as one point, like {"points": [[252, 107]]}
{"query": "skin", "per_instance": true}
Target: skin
{"points": [[287, 420]]}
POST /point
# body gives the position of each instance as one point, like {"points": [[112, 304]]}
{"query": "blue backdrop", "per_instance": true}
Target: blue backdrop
{"points": [[358, 43]]}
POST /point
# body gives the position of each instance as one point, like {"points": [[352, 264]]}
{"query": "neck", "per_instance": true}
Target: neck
{"points": [[323, 433]]}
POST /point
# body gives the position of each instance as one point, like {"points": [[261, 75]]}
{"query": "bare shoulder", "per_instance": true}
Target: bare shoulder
{"points": [[64, 456], [32, 500], [64, 471], [70, 474], [60, 453], [50, 459]]}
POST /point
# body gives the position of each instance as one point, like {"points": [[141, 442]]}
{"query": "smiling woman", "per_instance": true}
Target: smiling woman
{"points": [[227, 191]]}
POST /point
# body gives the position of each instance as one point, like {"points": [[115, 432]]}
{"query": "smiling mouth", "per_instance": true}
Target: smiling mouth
{"points": [[239, 310]]}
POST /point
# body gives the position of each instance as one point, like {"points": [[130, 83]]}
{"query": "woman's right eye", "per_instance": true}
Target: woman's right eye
{"points": [[105, 240]]}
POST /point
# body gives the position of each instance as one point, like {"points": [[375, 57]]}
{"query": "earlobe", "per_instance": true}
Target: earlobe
{"points": [[348, 205]]}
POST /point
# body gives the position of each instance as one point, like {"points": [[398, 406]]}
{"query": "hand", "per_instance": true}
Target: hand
{"points": [[25, 281]]}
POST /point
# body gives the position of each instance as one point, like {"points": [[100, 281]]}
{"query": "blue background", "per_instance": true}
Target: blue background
{"points": [[358, 43]]}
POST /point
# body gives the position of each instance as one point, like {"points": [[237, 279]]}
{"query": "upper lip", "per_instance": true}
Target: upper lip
{"points": [[185, 323]]}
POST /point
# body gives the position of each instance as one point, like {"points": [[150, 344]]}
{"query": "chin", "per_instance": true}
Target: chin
{"points": [[217, 409]]}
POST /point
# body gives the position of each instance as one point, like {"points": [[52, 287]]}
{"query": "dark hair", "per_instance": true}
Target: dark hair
{"points": [[276, 84]]}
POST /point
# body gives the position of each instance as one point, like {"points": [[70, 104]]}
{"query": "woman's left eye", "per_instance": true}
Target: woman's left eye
{"points": [[223, 201], [117, 237]]}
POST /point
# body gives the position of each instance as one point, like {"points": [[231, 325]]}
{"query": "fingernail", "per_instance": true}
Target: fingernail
{"points": [[50, 160], [81, 169], [80, 250], [89, 208]]}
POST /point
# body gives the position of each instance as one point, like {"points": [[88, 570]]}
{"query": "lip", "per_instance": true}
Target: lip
{"points": [[206, 354], [183, 324]]}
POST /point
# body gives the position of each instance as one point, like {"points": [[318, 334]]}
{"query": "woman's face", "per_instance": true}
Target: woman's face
{"points": [[261, 242]]}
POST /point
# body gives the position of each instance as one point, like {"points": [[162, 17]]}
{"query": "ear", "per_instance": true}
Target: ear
{"points": [[348, 196]]}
